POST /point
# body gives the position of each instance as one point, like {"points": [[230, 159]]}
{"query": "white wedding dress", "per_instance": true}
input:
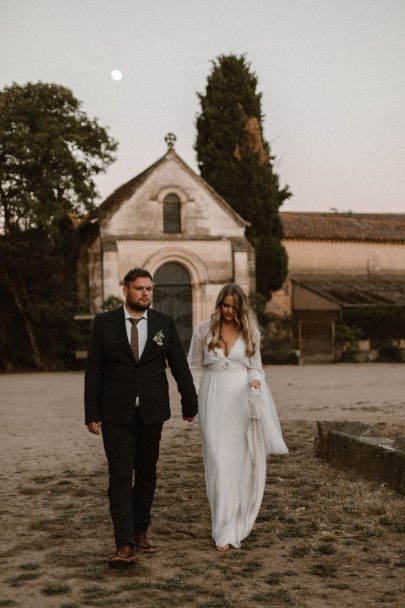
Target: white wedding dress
{"points": [[239, 427]]}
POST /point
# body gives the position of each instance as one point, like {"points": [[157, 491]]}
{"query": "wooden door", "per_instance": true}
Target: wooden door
{"points": [[172, 294]]}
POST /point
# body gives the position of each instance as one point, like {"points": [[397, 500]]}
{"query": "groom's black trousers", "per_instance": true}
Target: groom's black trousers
{"points": [[132, 452]]}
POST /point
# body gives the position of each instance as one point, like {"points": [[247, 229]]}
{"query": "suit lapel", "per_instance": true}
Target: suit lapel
{"points": [[152, 330]]}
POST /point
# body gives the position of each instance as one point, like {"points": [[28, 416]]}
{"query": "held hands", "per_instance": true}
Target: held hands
{"points": [[94, 427], [255, 384]]}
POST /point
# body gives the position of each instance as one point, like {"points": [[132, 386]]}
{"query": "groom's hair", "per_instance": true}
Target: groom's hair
{"points": [[133, 274]]}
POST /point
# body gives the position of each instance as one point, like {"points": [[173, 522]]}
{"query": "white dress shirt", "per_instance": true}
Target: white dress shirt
{"points": [[142, 334]]}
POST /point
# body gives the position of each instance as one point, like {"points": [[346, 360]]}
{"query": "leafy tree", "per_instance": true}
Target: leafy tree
{"points": [[235, 160], [384, 326], [379, 324], [50, 152]]}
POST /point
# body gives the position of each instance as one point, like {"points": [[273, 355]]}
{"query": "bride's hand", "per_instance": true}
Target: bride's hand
{"points": [[255, 384]]}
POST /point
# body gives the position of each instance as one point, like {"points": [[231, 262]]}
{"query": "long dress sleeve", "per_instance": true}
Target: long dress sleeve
{"points": [[195, 356], [255, 367], [270, 424]]}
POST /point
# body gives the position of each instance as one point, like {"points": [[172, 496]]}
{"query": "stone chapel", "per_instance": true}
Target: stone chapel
{"points": [[171, 222]]}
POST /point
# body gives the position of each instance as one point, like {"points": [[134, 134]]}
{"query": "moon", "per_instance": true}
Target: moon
{"points": [[116, 74]]}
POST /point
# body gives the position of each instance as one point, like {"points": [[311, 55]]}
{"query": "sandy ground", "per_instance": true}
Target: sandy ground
{"points": [[324, 537]]}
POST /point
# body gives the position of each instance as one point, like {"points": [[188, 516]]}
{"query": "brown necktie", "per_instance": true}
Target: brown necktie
{"points": [[134, 337]]}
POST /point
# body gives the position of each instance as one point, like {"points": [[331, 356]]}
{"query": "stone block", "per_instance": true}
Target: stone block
{"points": [[344, 426], [399, 443], [354, 446]]}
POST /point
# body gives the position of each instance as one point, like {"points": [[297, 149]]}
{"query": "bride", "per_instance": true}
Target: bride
{"points": [[238, 420]]}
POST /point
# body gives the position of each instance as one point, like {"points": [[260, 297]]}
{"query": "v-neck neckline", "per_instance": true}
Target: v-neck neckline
{"points": [[232, 347]]}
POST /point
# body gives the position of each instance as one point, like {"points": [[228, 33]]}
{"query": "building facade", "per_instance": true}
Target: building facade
{"points": [[170, 221], [338, 261]]}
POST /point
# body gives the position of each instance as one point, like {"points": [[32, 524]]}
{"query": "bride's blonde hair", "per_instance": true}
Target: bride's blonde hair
{"points": [[244, 318]]}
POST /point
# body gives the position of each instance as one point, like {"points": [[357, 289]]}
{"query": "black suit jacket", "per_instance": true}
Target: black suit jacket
{"points": [[114, 379]]}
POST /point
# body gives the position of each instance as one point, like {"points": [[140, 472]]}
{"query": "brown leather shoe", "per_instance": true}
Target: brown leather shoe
{"points": [[143, 543], [124, 557]]}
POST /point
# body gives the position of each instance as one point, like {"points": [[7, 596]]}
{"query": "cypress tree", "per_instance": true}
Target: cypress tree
{"points": [[235, 159]]}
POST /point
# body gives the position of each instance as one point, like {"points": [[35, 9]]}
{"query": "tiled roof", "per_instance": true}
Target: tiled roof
{"points": [[378, 227], [354, 292], [124, 192]]}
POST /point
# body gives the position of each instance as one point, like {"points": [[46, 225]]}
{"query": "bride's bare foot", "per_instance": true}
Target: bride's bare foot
{"points": [[222, 549]]}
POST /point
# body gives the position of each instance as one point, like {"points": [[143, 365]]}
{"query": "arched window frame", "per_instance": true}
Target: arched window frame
{"points": [[182, 199], [171, 214], [183, 275]]}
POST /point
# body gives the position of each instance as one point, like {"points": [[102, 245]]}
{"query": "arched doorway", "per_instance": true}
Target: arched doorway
{"points": [[172, 295]]}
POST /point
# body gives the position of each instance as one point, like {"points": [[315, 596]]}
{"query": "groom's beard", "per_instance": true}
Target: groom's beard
{"points": [[138, 307]]}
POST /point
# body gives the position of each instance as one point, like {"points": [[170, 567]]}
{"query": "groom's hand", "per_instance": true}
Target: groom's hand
{"points": [[94, 427], [189, 418]]}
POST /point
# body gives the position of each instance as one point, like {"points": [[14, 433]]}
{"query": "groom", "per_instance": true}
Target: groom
{"points": [[127, 400]]}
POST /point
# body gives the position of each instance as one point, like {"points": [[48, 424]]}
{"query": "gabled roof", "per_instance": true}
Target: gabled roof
{"points": [[112, 203], [353, 292], [366, 227]]}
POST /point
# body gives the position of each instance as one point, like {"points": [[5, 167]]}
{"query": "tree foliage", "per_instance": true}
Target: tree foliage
{"points": [[236, 161], [384, 326], [379, 324], [50, 152]]}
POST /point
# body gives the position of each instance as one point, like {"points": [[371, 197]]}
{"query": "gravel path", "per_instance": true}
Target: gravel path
{"points": [[42, 413], [324, 538]]}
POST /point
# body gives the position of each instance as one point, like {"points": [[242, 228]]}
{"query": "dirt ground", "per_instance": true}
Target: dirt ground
{"points": [[323, 538]]}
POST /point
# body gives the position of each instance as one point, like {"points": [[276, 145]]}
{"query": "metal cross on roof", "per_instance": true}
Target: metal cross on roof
{"points": [[170, 140]]}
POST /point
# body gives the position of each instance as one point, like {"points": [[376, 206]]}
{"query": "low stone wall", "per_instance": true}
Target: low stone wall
{"points": [[354, 445]]}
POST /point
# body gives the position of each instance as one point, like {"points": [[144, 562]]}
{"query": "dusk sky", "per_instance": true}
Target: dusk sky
{"points": [[332, 75]]}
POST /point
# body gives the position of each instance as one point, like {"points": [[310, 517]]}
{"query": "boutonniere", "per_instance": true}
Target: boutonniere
{"points": [[158, 338]]}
